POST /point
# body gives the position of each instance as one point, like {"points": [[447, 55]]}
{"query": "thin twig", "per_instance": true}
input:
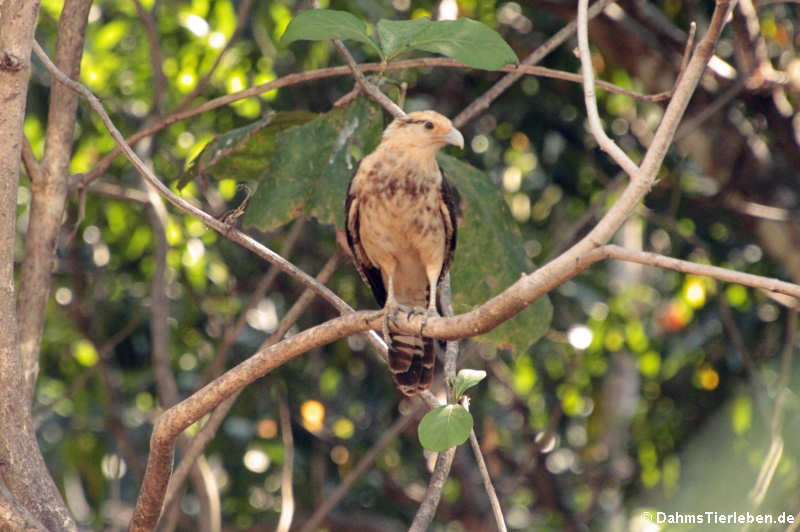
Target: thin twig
{"points": [[771, 460], [684, 266], [687, 51], [371, 90], [360, 468], [497, 510], [596, 126], [287, 496], [483, 102]]}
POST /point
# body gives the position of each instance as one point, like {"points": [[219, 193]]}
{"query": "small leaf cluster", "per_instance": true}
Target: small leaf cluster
{"points": [[465, 40], [450, 425]]}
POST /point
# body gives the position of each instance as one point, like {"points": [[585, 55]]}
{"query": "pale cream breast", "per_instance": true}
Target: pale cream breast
{"points": [[401, 225]]}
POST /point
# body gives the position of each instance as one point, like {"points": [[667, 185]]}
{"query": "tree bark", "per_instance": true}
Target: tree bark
{"points": [[49, 193], [22, 468]]}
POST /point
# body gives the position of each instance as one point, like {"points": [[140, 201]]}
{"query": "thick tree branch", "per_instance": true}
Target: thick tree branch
{"points": [[14, 516], [50, 192], [178, 418], [22, 468]]}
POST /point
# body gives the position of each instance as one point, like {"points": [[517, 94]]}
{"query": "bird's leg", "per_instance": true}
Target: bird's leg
{"points": [[433, 284], [390, 309]]}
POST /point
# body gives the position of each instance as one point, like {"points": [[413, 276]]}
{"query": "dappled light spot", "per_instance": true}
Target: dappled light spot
{"points": [[256, 460], [313, 414]]}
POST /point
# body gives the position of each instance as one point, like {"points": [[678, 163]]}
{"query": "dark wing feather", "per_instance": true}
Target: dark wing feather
{"points": [[449, 209], [368, 272]]}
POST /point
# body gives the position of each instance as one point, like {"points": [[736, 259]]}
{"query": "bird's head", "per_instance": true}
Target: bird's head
{"points": [[423, 130]]}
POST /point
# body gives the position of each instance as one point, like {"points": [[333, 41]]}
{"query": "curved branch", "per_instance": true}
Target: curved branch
{"points": [[605, 143]]}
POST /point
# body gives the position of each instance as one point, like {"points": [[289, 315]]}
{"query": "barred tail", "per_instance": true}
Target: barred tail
{"points": [[411, 360]]}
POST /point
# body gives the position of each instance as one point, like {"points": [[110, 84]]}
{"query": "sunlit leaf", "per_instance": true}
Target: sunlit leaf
{"points": [[311, 165], [467, 378], [324, 24], [490, 256], [444, 427], [465, 40]]}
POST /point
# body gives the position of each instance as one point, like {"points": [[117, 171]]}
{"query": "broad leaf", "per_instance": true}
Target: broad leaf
{"points": [[490, 257], [465, 40], [396, 36], [444, 427], [240, 154], [467, 378], [324, 24], [311, 165]]}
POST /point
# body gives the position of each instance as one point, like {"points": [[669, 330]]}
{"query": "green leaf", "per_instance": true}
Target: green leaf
{"points": [[490, 257], [467, 378], [324, 24], [465, 40], [311, 165], [444, 427], [240, 153], [397, 36]]}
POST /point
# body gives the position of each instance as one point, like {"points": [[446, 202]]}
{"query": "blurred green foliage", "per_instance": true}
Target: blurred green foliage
{"points": [[650, 389]]}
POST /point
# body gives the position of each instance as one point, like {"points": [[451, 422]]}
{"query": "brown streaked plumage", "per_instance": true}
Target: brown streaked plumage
{"points": [[401, 226]]}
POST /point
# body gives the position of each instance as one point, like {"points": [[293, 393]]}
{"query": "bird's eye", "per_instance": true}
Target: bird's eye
{"points": [[428, 125]]}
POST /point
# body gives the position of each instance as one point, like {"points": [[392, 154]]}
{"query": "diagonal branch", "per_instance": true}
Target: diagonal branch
{"points": [[482, 103], [229, 232], [434, 491], [497, 510], [373, 91]]}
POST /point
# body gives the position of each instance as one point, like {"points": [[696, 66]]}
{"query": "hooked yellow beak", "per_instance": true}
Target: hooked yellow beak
{"points": [[455, 138]]}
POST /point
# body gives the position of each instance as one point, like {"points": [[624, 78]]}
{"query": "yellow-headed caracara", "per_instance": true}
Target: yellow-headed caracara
{"points": [[401, 227]]}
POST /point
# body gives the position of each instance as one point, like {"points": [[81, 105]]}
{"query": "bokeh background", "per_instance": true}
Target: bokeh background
{"points": [[650, 391]]}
